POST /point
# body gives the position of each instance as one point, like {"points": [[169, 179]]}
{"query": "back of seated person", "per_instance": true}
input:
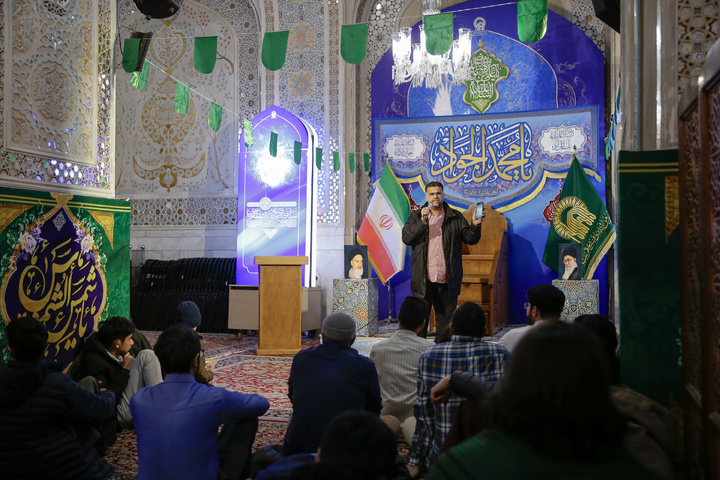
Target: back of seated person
{"points": [[355, 446], [327, 380], [177, 420], [650, 435], [45, 416]]}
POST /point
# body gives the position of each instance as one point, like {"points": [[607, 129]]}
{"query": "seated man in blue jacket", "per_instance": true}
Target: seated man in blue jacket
{"points": [[177, 421]]}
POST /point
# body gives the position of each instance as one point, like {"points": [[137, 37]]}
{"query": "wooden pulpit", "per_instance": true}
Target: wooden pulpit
{"points": [[280, 292]]}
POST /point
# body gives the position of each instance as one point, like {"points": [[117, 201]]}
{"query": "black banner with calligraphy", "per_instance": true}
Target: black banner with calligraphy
{"points": [[65, 260]]}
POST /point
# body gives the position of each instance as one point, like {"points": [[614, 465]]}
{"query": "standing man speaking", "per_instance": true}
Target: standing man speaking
{"points": [[436, 233]]}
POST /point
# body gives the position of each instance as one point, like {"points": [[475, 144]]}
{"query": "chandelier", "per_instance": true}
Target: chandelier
{"points": [[413, 62]]}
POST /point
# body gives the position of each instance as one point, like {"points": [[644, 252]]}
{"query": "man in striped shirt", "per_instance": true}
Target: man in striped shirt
{"points": [[396, 360], [466, 352]]}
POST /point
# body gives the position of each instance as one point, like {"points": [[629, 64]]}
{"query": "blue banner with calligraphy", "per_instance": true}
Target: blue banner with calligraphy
{"points": [[64, 260], [502, 159]]}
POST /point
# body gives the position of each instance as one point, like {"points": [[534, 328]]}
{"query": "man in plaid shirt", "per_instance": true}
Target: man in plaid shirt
{"points": [[464, 352]]}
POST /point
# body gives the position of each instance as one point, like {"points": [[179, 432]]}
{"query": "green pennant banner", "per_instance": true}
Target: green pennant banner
{"points": [[215, 116], [131, 51], [532, 18], [336, 161], [438, 33], [273, 144], [353, 42], [274, 48], [139, 80], [205, 54], [366, 158], [298, 151], [351, 162], [182, 98], [318, 157], [248, 132]]}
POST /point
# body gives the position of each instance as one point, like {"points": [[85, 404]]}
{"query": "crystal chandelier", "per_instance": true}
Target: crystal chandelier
{"points": [[413, 62]]}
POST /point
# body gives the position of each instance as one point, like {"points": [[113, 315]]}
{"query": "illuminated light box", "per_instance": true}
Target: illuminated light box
{"points": [[276, 197]]}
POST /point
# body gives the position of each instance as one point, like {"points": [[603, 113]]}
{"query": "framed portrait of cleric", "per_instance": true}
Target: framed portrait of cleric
{"points": [[570, 267], [356, 262]]}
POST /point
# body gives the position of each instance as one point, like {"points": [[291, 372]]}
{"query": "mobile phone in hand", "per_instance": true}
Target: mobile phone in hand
{"points": [[479, 210]]}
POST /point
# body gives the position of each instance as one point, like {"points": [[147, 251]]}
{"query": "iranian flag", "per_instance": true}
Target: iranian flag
{"points": [[381, 229]]}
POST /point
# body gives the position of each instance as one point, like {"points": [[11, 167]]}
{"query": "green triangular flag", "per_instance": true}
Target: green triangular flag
{"points": [[273, 49], [351, 162], [336, 161], [318, 158], [139, 80], [532, 18], [580, 217], [438, 33], [273, 144], [215, 116], [298, 150], [205, 54], [366, 158], [131, 50], [353, 42], [182, 98], [248, 132]]}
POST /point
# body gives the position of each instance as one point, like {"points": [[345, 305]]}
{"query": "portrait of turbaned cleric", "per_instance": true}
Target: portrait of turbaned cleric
{"points": [[356, 265], [570, 267]]}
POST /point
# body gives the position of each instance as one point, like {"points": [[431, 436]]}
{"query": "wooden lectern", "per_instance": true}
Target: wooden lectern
{"points": [[279, 329]]}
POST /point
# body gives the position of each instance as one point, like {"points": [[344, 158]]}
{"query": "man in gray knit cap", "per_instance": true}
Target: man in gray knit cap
{"points": [[327, 380], [188, 314]]}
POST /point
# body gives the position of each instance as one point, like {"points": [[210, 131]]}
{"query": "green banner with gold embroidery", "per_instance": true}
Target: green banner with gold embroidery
{"points": [[64, 259], [648, 263]]}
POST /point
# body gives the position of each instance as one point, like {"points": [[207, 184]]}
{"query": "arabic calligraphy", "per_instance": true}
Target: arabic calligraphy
{"points": [[487, 70], [57, 278], [482, 153]]}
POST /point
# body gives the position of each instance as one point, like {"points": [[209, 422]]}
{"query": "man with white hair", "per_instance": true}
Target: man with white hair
{"points": [[327, 380]]}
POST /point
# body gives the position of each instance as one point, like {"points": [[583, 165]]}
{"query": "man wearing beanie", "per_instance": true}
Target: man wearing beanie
{"points": [[188, 314], [327, 380]]}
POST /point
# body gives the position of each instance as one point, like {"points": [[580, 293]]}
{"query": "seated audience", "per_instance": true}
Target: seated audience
{"points": [[551, 417], [327, 380], [177, 420], [356, 445], [45, 416], [466, 351], [107, 363], [545, 304], [188, 314], [650, 433], [396, 360]]}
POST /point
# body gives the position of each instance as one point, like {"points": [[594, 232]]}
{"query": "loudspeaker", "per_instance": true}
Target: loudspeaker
{"points": [[609, 12]]}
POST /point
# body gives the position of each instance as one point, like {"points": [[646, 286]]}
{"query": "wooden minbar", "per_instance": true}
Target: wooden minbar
{"points": [[280, 292]]}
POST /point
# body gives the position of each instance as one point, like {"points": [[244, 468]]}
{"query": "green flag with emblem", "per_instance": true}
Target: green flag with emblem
{"points": [[580, 217]]}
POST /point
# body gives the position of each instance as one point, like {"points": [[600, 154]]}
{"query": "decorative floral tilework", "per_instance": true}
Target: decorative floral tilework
{"points": [[697, 31], [581, 297], [60, 38], [359, 298]]}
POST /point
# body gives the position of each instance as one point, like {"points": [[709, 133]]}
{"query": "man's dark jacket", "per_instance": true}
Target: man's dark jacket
{"points": [[97, 362], [455, 232], [44, 420]]}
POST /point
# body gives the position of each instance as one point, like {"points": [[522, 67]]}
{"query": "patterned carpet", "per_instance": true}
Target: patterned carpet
{"points": [[236, 367]]}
